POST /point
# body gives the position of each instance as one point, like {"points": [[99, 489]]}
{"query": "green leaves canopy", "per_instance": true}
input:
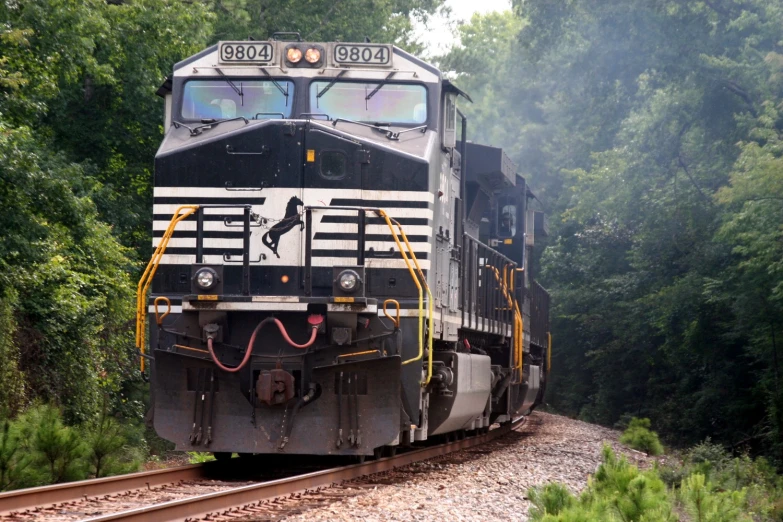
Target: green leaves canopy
{"points": [[651, 131], [79, 126]]}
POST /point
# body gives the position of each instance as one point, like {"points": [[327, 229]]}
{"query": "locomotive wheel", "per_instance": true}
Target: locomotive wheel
{"points": [[222, 455]]}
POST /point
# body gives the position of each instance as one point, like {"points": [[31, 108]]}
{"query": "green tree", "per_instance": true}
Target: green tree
{"points": [[55, 448], [79, 124], [13, 462], [649, 130], [343, 20], [109, 450]]}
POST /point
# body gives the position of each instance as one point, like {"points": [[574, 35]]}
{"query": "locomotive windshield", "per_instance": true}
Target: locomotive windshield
{"points": [[370, 102], [222, 98]]}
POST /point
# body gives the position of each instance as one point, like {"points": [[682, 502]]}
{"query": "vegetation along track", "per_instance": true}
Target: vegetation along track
{"points": [[192, 492]]}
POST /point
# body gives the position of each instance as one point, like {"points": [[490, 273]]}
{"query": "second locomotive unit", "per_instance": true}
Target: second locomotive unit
{"points": [[337, 270]]}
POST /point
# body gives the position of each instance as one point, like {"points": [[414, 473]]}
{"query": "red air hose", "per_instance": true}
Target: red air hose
{"points": [[314, 321]]}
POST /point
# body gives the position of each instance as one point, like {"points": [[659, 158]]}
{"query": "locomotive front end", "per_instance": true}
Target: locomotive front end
{"points": [[293, 225], [334, 271]]}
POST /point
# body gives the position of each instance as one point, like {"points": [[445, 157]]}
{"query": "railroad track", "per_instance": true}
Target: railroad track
{"points": [[253, 499]]}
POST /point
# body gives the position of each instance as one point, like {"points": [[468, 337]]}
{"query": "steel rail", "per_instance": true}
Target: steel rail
{"points": [[212, 503], [21, 499]]}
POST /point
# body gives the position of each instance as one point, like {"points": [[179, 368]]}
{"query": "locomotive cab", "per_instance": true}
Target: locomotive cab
{"points": [[319, 285]]}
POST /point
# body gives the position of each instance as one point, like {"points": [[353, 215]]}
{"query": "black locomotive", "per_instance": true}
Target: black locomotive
{"points": [[335, 272]]}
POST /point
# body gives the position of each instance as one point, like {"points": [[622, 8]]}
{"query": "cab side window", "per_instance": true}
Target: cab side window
{"points": [[506, 224]]}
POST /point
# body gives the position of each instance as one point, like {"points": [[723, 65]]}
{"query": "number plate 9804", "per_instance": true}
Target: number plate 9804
{"points": [[365, 54], [254, 52]]}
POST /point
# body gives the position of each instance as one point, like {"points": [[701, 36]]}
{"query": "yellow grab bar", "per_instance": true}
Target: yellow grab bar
{"points": [[146, 278], [519, 322], [159, 318], [389, 222], [430, 300], [183, 347], [366, 352], [415, 280], [393, 320], [548, 352]]}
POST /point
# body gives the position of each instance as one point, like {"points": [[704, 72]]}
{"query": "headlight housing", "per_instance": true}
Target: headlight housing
{"points": [[349, 281], [313, 55], [293, 55], [206, 279]]}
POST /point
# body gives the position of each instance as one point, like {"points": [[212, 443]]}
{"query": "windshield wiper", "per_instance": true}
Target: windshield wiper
{"points": [[284, 92], [328, 86], [390, 134], [231, 84], [208, 124], [380, 86]]}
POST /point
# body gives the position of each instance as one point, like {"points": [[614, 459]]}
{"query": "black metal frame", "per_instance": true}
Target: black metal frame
{"points": [[481, 293], [360, 243], [539, 314], [248, 209]]}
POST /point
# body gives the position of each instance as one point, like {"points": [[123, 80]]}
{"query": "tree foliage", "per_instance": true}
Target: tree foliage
{"points": [[651, 133], [620, 492], [639, 437], [79, 127], [320, 21]]}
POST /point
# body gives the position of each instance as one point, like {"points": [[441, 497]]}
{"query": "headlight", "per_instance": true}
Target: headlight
{"points": [[349, 281], [293, 55], [206, 278], [313, 55]]}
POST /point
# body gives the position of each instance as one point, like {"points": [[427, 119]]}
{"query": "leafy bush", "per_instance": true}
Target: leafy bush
{"points": [[549, 500], [706, 505], [639, 437], [109, 451], [13, 462], [199, 457], [38, 448], [618, 491], [755, 479], [732, 490], [57, 450]]}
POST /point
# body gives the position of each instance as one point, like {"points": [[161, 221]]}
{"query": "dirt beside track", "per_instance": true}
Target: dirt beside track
{"points": [[478, 484]]}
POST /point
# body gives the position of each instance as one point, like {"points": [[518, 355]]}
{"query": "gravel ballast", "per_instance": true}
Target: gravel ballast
{"points": [[489, 483]]}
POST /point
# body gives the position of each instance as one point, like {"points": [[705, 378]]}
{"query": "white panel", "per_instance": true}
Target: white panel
{"points": [[205, 192], [384, 246], [170, 208], [209, 242], [175, 309]]}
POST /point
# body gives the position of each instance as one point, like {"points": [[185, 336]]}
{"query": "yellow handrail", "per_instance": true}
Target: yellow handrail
{"points": [[519, 323], [146, 278], [395, 321], [159, 318], [548, 352], [418, 286], [430, 327], [418, 357], [365, 352]]}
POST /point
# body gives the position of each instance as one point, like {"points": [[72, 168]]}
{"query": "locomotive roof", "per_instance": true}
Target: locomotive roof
{"points": [[490, 166], [404, 65]]}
